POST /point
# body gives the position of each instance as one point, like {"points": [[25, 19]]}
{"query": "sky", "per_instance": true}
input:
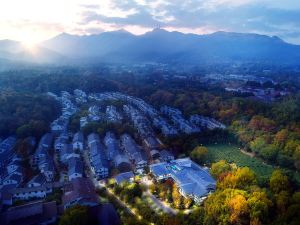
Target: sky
{"points": [[32, 21]]}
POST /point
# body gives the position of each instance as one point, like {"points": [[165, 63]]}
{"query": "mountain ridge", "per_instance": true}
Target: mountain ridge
{"points": [[160, 45]]}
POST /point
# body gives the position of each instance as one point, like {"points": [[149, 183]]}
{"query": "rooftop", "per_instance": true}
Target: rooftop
{"points": [[189, 176]]}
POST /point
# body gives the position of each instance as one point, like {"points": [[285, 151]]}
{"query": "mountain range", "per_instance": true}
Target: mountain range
{"points": [[157, 45]]}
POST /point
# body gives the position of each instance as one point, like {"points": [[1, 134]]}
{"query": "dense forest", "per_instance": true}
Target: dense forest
{"points": [[26, 114]]}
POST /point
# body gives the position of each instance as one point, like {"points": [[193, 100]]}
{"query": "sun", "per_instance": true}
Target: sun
{"points": [[30, 45]]}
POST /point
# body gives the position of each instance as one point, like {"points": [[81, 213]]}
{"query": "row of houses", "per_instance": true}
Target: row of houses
{"points": [[140, 122], [115, 154], [70, 155], [206, 122], [80, 96], [112, 115], [97, 157], [124, 155], [94, 113], [136, 155], [137, 102], [79, 191], [165, 128], [7, 153], [43, 159], [33, 191], [68, 109], [186, 126], [179, 121]]}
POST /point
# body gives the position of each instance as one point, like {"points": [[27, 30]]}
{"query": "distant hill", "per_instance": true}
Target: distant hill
{"points": [[15, 51], [162, 46]]}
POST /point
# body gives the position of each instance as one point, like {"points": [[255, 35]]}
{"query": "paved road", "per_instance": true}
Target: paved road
{"points": [[160, 204], [122, 203]]}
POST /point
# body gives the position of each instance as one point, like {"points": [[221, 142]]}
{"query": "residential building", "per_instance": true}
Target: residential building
{"points": [[78, 141], [80, 191], [134, 152], [112, 115], [98, 160], [166, 156], [113, 152], [124, 177], [192, 180], [37, 181], [92, 138], [75, 168], [31, 213], [206, 122]]}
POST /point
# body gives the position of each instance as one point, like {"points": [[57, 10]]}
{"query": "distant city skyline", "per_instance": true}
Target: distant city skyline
{"points": [[33, 21]]}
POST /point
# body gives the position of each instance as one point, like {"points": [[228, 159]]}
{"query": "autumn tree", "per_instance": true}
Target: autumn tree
{"points": [[219, 168], [259, 205], [177, 198], [242, 178], [238, 209]]}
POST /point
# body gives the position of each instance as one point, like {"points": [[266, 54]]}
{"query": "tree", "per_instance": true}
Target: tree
{"points": [[219, 168], [187, 202], [199, 154], [258, 144], [296, 158], [291, 146], [282, 201], [259, 205], [242, 178], [220, 207], [261, 123], [177, 198], [76, 215], [269, 153], [239, 209], [281, 137], [245, 177], [24, 131], [278, 182]]}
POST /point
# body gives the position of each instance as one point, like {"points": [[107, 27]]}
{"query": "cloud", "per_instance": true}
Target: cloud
{"points": [[262, 16], [281, 18]]}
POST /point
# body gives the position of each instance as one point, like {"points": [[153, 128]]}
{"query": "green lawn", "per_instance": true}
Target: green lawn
{"points": [[232, 154]]}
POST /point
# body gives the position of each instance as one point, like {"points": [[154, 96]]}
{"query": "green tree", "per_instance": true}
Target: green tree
{"points": [[278, 182], [269, 153], [199, 154], [291, 146], [258, 144], [296, 158]]}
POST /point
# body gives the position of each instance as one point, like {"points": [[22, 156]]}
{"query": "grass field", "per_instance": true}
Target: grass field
{"points": [[232, 154]]}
